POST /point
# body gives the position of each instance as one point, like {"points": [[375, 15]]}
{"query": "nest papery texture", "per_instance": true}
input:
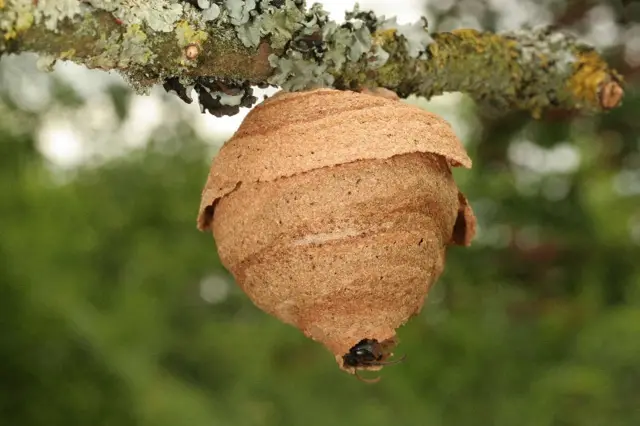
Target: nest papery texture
{"points": [[293, 133], [345, 252], [333, 211]]}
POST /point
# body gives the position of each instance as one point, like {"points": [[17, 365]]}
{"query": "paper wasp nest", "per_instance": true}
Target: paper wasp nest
{"points": [[333, 211]]}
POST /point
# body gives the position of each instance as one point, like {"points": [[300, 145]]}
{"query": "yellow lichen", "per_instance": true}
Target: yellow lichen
{"points": [[22, 21], [590, 72], [544, 60], [187, 34], [134, 49], [134, 33], [68, 54], [473, 37], [467, 33], [384, 36]]}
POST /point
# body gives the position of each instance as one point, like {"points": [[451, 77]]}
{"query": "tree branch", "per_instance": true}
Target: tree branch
{"points": [[221, 48]]}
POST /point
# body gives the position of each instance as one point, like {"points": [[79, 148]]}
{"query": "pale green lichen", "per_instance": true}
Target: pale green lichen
{"points": [[303, 67], [46, 63], [194, 16], [134, 49], [281, 23], [337, 55], [159, 15], [187, 81], [360, 40], [51, 12], [377, 57], [138, 87], [205, 15], [187, 34], [239, 10], [16, 16], [239, 14], [255, 20], [541, 45], [210, 11], [109, 48], [88, 26], [299, 68], [250, 33], [22, 14], [297, 73], [416, 35]]}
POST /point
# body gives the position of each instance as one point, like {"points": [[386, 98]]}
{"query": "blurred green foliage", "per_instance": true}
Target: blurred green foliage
{"points": [[107, 315]]}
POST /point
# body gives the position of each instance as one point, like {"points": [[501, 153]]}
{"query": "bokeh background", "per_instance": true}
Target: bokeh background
{"points": [[114, 309]]}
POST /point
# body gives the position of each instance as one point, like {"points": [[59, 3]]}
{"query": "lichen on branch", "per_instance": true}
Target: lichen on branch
{"points": [[220, 48]]}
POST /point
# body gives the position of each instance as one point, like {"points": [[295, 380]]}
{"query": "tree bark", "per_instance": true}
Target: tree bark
{"points": [[229, 45]]}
